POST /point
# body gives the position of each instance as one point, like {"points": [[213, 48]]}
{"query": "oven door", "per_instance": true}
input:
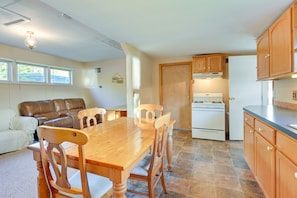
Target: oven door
{"points": [[208, 118]]}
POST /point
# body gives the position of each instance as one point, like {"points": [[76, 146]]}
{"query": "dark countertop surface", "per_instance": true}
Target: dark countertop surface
{"points": [[277, 117]]}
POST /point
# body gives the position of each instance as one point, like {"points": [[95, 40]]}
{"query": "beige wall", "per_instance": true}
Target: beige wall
{"points": [[100, 89], [13, 94], [283, 90]]}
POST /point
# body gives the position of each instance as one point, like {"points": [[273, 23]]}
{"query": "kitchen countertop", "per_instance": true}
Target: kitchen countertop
{"points": [[277, 117]]}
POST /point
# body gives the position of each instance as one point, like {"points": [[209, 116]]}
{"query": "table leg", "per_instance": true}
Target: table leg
{"points": [[119, 190], [43, 191], [169, 150]]}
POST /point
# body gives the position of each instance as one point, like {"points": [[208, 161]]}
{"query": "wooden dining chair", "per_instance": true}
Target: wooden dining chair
{"points": [[149, 111], [81, 183], [151, 168], [89, 117]]}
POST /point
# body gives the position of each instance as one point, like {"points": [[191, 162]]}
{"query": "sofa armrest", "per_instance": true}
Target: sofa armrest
{"points": [[27, 124]]}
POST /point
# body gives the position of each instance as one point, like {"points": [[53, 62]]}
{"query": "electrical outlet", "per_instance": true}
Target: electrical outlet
{"points": [[294, 95]]}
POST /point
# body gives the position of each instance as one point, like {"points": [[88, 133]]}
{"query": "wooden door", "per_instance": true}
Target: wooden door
{"points": [[263, 56], [281, 45], [175, 92]]}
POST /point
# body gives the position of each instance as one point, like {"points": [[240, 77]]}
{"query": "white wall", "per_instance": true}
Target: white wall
{"points": [[13, 94]]}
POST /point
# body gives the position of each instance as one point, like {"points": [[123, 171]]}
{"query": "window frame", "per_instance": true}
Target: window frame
{"points": [[17, 79], [70, 72], [9, 70], [13, 73]]}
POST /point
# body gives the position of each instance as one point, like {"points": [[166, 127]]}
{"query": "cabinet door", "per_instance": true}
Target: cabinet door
{"points": [[281, 45], [263, 56], [265, 165], [249, 146], [199, 64], [286, 177], [214, 63]]}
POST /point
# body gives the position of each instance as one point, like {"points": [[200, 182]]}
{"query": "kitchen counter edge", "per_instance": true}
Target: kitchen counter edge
{"points": [[277, 117]]}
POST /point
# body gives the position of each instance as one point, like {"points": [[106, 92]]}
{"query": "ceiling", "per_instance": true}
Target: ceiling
{"points": [[92, 30]]}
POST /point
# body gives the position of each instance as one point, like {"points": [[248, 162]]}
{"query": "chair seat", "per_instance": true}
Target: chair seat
{"points": [[98, 185], [143, 166]]}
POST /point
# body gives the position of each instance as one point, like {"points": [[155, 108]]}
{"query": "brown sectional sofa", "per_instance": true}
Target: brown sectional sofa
{"points": [[56, 112]]}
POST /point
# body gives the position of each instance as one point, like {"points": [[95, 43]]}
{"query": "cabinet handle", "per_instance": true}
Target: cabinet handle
{"points": [[295, 174], [267, 55], [251, 131], [269, 148], [260, 129]]}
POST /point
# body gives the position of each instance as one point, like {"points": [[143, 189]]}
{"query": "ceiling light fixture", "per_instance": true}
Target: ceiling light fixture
{"points": [[30, 40]]}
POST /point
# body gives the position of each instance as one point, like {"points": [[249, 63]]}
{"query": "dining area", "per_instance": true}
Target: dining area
{"points": [[106, 155]]}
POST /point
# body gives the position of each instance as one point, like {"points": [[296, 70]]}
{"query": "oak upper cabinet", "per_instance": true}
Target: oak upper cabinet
{"points": [[249, 151], [286, 166], [265, 158], [208, 63], [275, 47], [263, 54], [281, 49]]}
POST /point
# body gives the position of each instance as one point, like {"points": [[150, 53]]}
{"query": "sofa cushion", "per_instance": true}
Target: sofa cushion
{"points": [[60, 122], [31, 108], [74, 104], [60, 106], [49, 115]]}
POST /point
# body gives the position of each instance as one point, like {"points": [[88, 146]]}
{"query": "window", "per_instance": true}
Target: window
{"points": [[22, 72], [4, 71], [30, 73], [60, 76]]}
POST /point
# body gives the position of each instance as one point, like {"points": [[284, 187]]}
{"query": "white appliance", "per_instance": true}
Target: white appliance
{"points": [[208, 116]]}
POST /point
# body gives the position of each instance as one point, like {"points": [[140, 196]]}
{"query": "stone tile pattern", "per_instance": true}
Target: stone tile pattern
{"points": [[205, 169]]}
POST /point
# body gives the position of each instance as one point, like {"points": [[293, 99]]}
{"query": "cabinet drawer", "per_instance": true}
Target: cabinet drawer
{"points": [[287, 146], [250, 120], [265, 130]]}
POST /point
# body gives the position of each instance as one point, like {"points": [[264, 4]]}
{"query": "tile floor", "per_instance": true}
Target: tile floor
{"points": [[206, 169]]}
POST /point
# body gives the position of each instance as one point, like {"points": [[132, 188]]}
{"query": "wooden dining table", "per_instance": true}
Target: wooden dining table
{"points": [[114, 149]]}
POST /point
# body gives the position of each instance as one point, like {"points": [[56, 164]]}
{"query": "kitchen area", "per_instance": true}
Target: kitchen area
{"points": [[210, 102]]}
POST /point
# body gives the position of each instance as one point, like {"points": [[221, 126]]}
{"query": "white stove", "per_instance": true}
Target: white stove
{"points": [[208, 116], [208, 100]]}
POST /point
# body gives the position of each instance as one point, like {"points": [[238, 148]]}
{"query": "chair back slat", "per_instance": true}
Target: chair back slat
{"points": [[149, 111], [89, 117]]}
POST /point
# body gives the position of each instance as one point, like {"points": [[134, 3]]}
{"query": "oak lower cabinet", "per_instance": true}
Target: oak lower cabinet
{"points": [[249, 140], [272, 157], [286, 177], [265, 165], [286, 166]]}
